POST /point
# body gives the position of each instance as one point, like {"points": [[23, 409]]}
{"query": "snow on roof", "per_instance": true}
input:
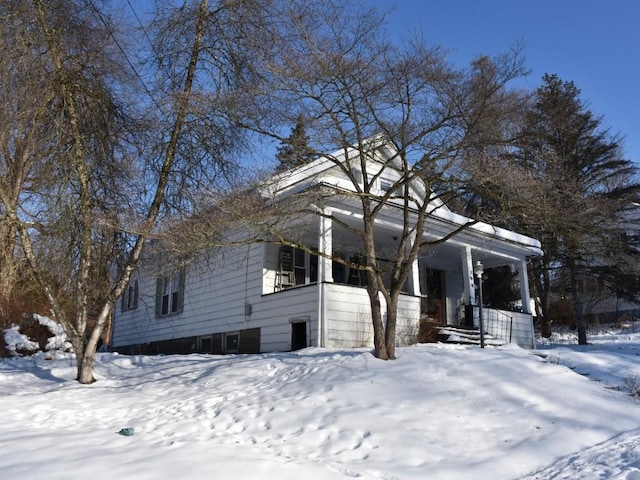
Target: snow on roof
{"points": [[317, 173]]}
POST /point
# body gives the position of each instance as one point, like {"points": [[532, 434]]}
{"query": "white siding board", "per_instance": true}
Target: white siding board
{"points": [[276, 312], [214, 299], [349, 316]]}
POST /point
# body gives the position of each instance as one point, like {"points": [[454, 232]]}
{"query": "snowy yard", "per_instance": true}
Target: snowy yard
{"points": [[439, 411]]}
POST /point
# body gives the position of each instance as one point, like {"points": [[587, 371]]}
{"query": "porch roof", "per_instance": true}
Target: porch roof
{"points": [[323, 174], [442, 222]]}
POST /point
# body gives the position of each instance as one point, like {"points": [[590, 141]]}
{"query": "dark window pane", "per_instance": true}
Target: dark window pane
{"points": [[231, 342], [165, 304], [313, 268]]}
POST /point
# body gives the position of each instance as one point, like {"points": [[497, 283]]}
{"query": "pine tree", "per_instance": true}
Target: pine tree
{"points": [[295, 150], [582, 184]]}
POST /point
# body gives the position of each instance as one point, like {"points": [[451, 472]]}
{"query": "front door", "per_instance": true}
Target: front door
{"points": [[434, 305]]}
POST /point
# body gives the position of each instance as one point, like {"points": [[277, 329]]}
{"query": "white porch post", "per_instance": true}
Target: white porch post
{"points": [[524, 287], [415, 277], [467, 274], [325, 270], [325, 245]]}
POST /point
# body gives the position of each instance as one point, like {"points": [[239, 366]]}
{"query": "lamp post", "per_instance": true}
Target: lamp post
{"points": [[478, 271]]}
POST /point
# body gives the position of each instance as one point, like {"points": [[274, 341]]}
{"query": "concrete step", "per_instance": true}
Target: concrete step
{"points": [[466, 335]]}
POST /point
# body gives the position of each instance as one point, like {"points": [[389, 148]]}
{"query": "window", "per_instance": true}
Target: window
{"points": [[300, 267], [231, 342], [297, 267], [357, 275], [206, 344], [129, 299], [351, 272], [386, 185], [170, 294]]}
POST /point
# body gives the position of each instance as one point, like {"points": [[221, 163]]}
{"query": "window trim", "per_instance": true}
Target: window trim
{"points": [[303, 265], [129, 298], [170, 293], [225, 345], [386, 185]]}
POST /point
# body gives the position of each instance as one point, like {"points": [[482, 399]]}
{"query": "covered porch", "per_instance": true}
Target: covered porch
{"points": [[441, 288]]}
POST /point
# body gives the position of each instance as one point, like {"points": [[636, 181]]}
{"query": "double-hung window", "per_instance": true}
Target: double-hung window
{"points": [[170, 294], [297, 267], [129, 299]]}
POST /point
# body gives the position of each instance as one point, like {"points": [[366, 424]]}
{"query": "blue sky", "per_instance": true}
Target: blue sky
{"points": [[594, 43]]}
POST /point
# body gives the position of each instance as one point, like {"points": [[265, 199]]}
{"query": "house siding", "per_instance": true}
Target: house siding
{"points": [[275, 313], [214, 300], [216, 292], [348, 317]]}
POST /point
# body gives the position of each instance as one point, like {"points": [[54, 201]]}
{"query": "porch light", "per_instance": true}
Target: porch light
{"points": [[478, 270]]}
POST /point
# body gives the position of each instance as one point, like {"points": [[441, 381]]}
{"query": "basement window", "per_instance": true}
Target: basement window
{"points": [[206, 344], [231, 342]]}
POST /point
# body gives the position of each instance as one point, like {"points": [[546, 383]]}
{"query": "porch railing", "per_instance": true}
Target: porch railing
{"points": [[508, 326]]}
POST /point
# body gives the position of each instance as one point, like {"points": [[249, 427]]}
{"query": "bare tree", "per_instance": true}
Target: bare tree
{"points": [[108, 182], [28, 103], [356, 91]]}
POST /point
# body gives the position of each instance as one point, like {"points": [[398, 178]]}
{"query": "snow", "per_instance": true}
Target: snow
{"points": [[438, 411], [58, 340], [16, 341]]}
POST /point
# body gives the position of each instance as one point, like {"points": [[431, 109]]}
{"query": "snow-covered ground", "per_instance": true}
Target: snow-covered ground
{"points": [[438, 412]]}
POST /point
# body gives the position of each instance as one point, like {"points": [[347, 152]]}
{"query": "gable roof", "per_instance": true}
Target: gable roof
{"points": [[298, 179]]}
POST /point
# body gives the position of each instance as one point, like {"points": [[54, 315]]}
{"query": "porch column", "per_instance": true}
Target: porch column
{"points": [[415, 277], [524, 287], [467, 275], [325, 270], [325, 246]]}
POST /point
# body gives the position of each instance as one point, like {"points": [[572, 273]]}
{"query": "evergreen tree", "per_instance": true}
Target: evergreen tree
{"points": [[566, 183], [295, 150], [582, 184]]}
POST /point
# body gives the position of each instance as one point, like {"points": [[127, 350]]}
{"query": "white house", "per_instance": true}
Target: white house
{"points": [[263, 296]]}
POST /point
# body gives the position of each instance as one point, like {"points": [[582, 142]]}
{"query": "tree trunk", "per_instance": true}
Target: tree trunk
{"points": [[577, 304], [544, 300], [85, 359], [85, 367], [7, 261], [390, 330], [541, 285], [379, 344]]}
